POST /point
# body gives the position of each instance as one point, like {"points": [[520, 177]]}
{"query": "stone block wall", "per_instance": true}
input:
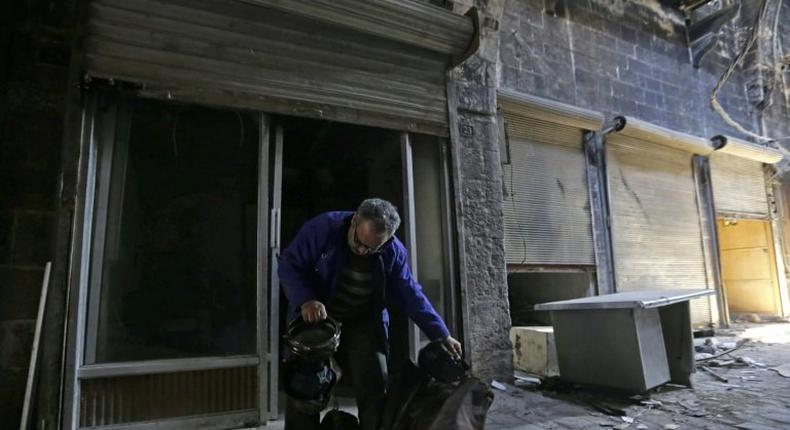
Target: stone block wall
{"points": [[621, 57], [479, 200], [34, 57]]}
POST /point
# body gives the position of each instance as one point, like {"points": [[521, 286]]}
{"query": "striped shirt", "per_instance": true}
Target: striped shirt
{"points": [[354, 292]]}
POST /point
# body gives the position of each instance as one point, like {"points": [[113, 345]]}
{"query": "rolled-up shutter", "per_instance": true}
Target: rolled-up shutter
{"points": [[656, 233], [546, 203], [738, 185], [379, 63]]}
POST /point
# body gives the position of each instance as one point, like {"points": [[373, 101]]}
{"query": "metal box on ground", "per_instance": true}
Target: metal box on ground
{"points": [[632, 341], [534, 350]]}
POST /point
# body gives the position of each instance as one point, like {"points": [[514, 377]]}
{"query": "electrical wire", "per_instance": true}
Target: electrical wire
{"points": [[714, 101]]}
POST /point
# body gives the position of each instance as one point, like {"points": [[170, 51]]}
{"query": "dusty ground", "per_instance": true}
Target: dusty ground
{"points": [[754, 397]]}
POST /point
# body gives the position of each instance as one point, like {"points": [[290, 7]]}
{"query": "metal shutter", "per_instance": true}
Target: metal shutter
{"points": [[546, 204], [656, 232], [308, 58], [738, 185]]}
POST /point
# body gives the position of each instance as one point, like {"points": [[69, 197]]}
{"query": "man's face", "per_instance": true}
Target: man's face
{"points": [[363, 239]]}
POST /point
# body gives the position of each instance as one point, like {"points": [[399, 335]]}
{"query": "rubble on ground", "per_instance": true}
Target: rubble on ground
{"points": [[740, 384]]}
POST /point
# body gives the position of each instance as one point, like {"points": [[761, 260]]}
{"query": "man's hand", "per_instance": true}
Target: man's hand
{"points": [[314, 311], [453, 347]]}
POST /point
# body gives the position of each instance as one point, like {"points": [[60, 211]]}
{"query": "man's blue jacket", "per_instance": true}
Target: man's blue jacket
{"points": [[310, 266]]}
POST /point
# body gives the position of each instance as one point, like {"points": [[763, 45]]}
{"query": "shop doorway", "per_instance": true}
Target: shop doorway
{"points": [[748, 263], [328, 166], [168, 313], [179, 313]]}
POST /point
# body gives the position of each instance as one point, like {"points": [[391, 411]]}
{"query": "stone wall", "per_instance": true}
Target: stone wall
{"points": [[479, 201], [622, 57], [777, 115], [33, 63]]}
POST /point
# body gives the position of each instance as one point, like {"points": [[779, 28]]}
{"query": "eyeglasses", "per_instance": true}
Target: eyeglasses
{"points": [[365, 249]]}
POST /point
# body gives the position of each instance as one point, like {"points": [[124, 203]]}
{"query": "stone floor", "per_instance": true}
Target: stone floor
{"points": [[755, 397]]}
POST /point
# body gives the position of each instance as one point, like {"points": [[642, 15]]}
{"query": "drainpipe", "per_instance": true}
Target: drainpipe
{"points": [[598, 185], [707, 207]]}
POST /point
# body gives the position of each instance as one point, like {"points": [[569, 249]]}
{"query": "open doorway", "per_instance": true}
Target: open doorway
{"points": [[330, 166], [749, 274]]}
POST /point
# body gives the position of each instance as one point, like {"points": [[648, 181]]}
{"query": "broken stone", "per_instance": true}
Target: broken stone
{"points": [[749, 362], [702, 356], [629, 420], [652, 403], [783, 370], [671, 427], [705, 349], [498, 385], [727, 345], [526, 381], [641, 426]]}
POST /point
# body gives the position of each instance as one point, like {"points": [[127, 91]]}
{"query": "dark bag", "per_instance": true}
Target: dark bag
{"points": [[438, 362], [308, 380], [339, 420], [416, 401]]}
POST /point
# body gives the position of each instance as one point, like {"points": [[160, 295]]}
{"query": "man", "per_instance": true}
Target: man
{"points": [[350, 266]]}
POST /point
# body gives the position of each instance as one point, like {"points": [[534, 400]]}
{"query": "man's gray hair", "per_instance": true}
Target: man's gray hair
{"points": [[382, 214]]}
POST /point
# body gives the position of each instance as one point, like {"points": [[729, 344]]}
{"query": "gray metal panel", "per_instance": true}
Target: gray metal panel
{"points": [[414, 22], [656, 232], [626, 300], [546, 206], [643, 130], [619, 348], [531, 106], [738, 185], [233, 53], [768, 153]]}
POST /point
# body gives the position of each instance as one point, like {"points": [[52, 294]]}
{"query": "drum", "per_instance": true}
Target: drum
{"points": [[312, 341]]}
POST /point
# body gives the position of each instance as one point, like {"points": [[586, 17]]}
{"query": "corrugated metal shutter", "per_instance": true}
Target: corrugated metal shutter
{"points": [[656, 232], [546, 206], [738, 185], [244, 55]]}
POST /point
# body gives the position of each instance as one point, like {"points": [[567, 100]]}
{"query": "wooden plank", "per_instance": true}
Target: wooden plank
{"points": [[33, 366]]}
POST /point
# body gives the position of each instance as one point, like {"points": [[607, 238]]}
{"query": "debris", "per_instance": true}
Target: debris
{"points": [[671, 427], [641, 426], [740, 345], [721, 363], [498, 385], [526, 381], [705, 349], [629, 420], [651, 403], [714, 374], [727, 345], [783, 370], [607, 409], [699, 356], [749, 362]]}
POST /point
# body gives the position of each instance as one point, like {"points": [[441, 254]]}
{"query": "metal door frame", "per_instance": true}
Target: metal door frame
{"points": [[81, 272], [450, 291]]}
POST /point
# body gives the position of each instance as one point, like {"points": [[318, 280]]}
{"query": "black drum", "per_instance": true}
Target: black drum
{"points": [[312, 341]]}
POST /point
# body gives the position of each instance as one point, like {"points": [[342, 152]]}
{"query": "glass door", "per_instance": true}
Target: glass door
{"points": [[428, 228], [173, 324]]}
